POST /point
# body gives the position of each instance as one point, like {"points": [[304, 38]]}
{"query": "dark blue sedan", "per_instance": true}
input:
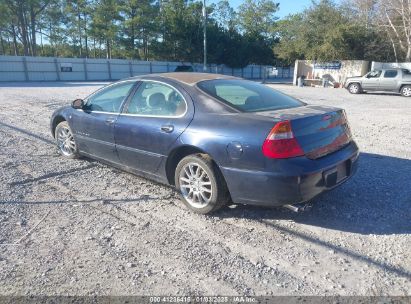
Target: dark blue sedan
{"points": [[217, 139]]}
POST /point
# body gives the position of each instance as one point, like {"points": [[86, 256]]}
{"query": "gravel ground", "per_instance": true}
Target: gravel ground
{"points": [[78, 227]]}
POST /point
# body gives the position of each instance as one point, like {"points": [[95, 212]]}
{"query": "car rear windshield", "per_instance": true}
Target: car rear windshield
{"points": [[247, 96]]}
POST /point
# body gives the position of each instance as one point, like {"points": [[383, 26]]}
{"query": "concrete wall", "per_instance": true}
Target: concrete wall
{"points": [[18, 68], [387, 65], [348, 68]]}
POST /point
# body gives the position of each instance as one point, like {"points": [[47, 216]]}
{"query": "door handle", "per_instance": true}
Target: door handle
{"points": [[167, 128], [110, 120]]}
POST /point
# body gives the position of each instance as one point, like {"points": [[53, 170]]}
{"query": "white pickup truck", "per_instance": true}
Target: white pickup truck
{"points": [[388, 80]]}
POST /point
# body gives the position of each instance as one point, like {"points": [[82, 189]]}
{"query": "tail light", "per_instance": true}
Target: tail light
{"points": [[281, 143]]}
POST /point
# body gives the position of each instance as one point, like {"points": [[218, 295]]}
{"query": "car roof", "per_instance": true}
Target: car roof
{"points": [[189, 78]]}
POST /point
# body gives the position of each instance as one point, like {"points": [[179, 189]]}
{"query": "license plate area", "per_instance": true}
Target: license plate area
{"points": [[337, 174]]}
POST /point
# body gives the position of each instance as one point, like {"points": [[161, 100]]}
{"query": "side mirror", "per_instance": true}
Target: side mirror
{"points": [[78, 104]]}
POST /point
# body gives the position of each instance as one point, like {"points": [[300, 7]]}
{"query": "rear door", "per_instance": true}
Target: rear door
{"points": [[389, 80], [150, 123], [94, 125], [371, 81]]}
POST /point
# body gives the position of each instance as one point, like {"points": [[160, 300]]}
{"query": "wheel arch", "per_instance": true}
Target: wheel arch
{"points": [[56, 120], [355, 82], [403, 85], [177, 154]]}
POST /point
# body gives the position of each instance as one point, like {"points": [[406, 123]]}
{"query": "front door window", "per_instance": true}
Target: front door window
{"points": [[109, 99]]}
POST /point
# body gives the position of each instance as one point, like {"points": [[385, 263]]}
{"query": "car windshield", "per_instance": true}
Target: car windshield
{"points": [[247, 96]]}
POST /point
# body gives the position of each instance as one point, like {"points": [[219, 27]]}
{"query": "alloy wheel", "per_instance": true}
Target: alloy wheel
{"points": [[354, 88], [195, 185], [406, 91], [65, 141]]}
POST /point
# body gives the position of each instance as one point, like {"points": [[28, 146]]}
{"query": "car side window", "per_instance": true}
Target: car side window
{"points": [[390, 74], [156, 99], [374, 74], [237, 95], [109, 99]]}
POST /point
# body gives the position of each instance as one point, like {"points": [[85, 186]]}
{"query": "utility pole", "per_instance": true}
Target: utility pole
{"points": [[205, 35]]}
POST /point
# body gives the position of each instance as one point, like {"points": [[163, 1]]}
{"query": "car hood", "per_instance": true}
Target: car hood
{"points": [[354, 78]]}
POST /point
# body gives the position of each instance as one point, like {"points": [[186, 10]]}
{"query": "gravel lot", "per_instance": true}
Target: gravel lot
{"points": [[78, 227]]}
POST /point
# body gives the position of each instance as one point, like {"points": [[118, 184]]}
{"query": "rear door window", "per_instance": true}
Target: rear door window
{"points": [[156, 99], [390, 74]]}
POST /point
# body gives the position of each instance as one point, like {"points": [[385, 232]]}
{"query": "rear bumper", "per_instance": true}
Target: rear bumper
{"points": [[292, 181]]}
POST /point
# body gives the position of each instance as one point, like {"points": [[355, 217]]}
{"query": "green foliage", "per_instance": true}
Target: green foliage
{"points": [[327, 32], [173, 30], [257, 17], [180, 31], [224, 15], [140, 27]]}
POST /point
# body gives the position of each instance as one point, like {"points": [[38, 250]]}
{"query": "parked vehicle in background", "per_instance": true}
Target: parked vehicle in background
{"points": [[184, 68], [388, 80], [215, 138]]}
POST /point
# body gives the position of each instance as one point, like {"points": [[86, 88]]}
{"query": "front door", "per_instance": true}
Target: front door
{"points": [[372, 81], [151, 122], [93, 126]]}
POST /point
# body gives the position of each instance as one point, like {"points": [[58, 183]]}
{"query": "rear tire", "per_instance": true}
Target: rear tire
{"points": [[66, 144], [201, 184], [406, 91], [354, 88]]}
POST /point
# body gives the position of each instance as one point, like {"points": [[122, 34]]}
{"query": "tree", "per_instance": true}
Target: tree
{"points": [[180, 31], [257, 17], [139, 27], [224, 15], [105, 16], [77, 23], [51, 27], [8, 30], [147, 29], [292, 44], [326, 31], [378, 44], [27, 15], [395, 18]]}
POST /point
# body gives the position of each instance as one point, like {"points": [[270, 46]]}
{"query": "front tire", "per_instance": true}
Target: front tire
{"points": [[201, 184], [406, 91], [66, 144], [354, 88]]}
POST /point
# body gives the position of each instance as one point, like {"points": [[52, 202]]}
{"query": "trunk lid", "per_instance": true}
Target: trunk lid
{"points": [[319, 130]]}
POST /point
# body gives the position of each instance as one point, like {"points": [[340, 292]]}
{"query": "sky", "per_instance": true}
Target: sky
{"points": [[286, 6]]}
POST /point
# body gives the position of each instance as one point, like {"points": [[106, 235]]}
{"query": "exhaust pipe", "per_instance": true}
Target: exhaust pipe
{"points": [[299, 207]]}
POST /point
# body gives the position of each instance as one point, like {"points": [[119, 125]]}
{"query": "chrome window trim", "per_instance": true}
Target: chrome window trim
{"points": [[100, 112], [138, 115]]}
